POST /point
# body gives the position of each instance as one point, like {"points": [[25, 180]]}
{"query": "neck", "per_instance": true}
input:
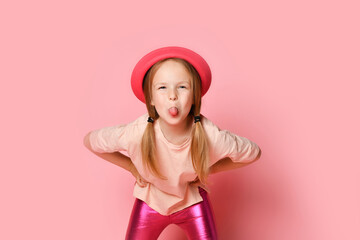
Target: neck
{"points": [[177, 133]]}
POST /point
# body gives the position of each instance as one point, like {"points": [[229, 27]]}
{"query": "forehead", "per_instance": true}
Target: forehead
{"points": [[172, 71]]}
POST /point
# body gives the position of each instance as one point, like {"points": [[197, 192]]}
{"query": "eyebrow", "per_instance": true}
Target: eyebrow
{"points": [[164, 83]]}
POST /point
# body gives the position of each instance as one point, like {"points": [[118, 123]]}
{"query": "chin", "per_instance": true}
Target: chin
{"points": [[172, 120]]}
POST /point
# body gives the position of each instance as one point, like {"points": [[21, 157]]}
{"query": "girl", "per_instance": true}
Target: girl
{"points": [[172, 148]]}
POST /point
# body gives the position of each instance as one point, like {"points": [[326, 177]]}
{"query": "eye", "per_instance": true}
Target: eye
{"points": [[182, 86], [162, 87]]}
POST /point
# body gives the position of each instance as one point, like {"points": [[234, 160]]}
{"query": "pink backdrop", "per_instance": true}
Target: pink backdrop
{"points": [[285, 75]]}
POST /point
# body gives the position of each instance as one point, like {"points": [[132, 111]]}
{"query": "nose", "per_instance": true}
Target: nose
{"points": [[172, 95]]}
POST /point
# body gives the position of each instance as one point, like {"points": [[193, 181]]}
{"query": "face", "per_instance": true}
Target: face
{"points": [[172, 93]]}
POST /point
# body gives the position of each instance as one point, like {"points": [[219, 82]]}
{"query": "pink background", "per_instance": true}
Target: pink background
{"points": [[285, 75]]}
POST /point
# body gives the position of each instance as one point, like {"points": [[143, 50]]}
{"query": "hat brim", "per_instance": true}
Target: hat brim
{"points": [[154, 56]]}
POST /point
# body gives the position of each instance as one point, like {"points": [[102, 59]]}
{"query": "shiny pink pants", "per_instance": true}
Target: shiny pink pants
{"points": [[197, 221]]}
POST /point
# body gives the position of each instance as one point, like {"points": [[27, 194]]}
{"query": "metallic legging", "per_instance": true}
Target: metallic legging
{"points": [[197, 221]]}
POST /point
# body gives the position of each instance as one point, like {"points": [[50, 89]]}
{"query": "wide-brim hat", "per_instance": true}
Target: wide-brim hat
{"points": [[146, 62]]}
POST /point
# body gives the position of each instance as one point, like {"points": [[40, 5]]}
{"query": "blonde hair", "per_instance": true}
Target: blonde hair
{"points": [[199, 144]]}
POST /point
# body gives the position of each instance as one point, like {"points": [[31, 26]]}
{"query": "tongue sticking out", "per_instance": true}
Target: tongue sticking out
{"points": [[173, 111]]}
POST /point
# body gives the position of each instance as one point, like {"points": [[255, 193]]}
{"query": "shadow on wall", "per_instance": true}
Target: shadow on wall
{"points": [[242, 201]]}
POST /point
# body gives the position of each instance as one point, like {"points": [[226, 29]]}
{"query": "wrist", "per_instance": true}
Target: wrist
{"points": [[132, 168]]}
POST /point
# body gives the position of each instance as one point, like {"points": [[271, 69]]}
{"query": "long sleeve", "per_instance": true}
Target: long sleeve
{"points": [[238, 149], [109, 139], [223, 144]]}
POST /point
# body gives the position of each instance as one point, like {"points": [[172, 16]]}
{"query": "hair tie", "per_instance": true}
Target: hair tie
{"points": [[197, 119], [150, 119]]}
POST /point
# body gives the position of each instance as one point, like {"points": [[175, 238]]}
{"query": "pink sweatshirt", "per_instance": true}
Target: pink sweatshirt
{"points": [[175, 193]]}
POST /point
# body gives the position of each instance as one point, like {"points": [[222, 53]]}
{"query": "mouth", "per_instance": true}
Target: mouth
{"points": [[173, 111]]}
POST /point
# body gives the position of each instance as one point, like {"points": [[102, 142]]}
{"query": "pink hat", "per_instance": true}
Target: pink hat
{"points": [[151, 58]]}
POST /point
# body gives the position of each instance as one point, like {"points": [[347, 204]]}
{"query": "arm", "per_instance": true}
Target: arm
{"points": [[116, 158], [226, 164]]}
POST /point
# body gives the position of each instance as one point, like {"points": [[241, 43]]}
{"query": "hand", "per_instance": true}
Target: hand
{"points": [[138, 177], [196, 181]]}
